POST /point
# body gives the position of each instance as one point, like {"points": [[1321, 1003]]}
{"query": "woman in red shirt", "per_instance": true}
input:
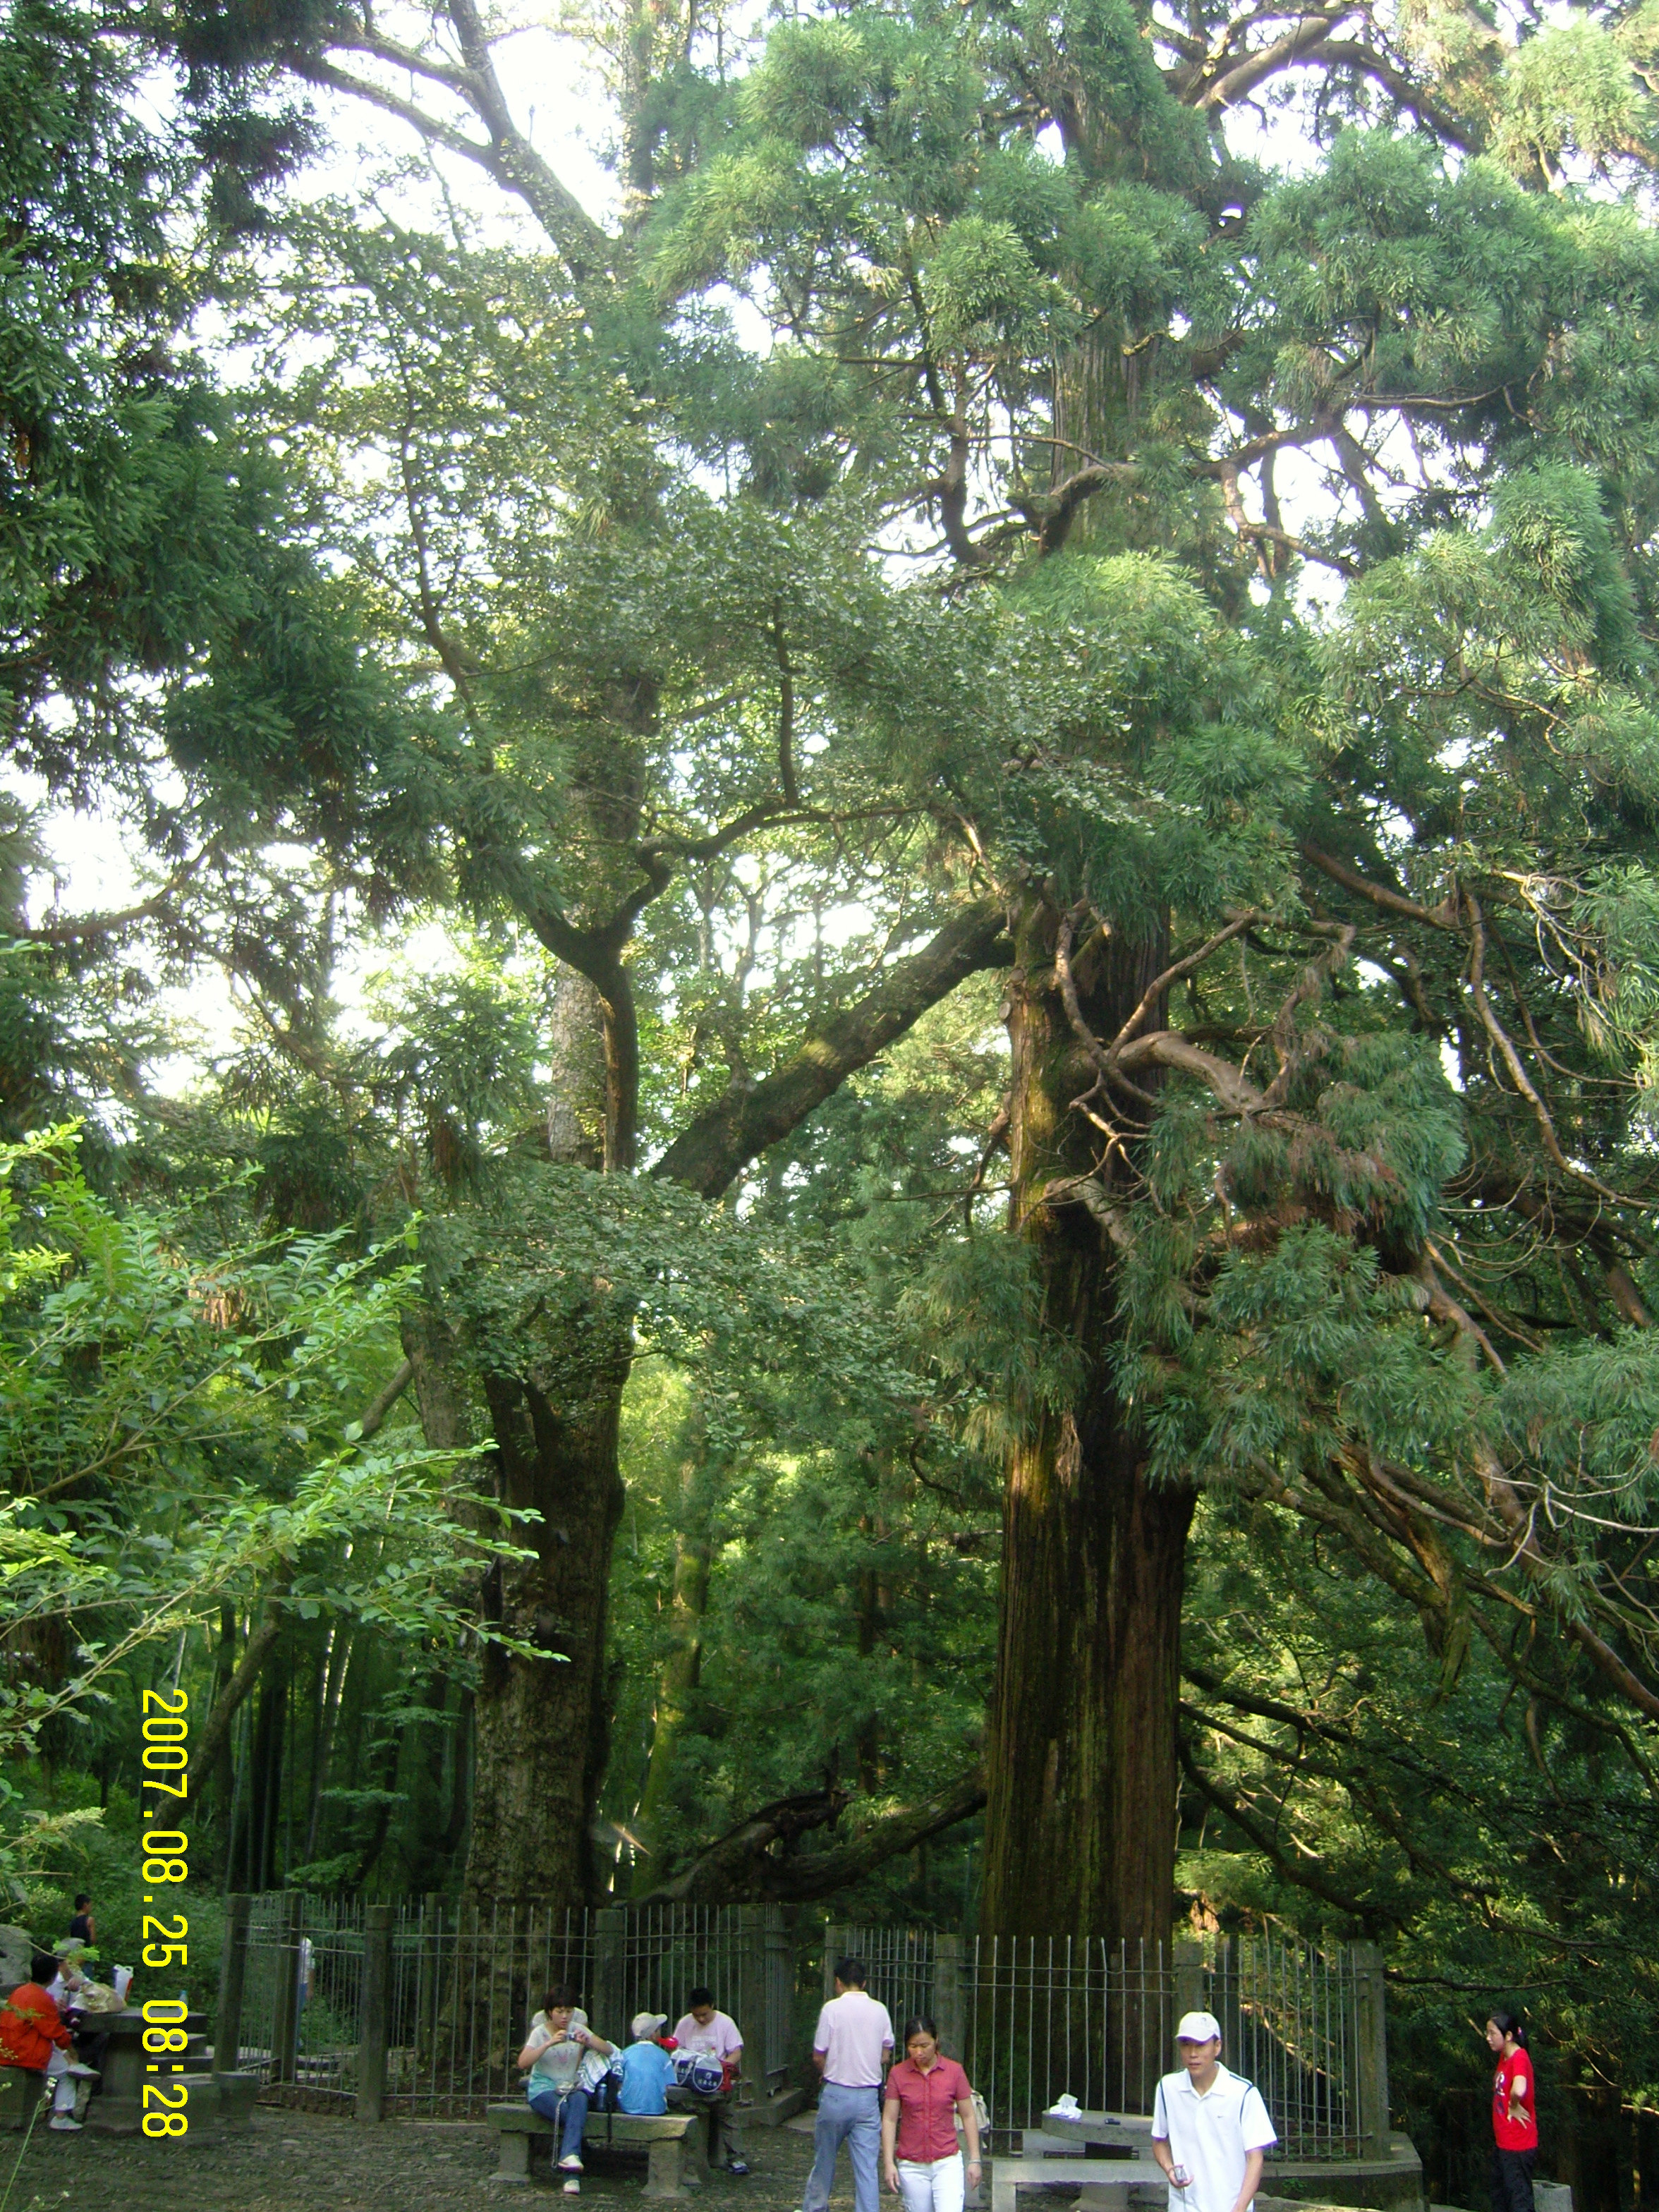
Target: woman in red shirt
{"points": [[33, 2039], [1514, 2115], [925, 2095]]}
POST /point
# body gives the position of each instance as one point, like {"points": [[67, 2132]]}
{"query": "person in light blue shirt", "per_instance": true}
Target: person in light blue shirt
{"points": [[647, 2071]]}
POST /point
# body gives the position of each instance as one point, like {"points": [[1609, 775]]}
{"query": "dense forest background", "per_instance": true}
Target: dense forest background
{"points": [[874, 1121]]}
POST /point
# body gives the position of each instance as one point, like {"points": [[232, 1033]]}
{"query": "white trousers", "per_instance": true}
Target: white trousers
{"points": [[938, 2187], [57, 2073]]}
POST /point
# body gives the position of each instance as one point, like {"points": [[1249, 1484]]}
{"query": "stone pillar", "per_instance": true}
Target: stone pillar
{"points": [[373, 2033], [780, 1992], [1187, 1959], [1371, 2049], [949, 2008], [608, 1995], [749, 1998]]}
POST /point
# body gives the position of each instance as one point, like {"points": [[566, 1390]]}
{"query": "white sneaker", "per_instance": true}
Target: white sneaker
{"points": [[571, 2165], [82, 2073], [64, 2124], [573, 2187]]}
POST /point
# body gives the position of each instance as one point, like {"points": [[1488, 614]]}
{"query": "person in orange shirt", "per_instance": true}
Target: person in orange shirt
{"points": [[33, 2037]]}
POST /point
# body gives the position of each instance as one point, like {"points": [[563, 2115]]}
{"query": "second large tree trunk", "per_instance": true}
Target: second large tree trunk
{"points": [[541, 1725], [1080, 1821]]}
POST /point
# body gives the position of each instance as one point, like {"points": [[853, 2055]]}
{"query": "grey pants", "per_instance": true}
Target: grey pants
{"points": [[852, 2116], [724, 2123]]}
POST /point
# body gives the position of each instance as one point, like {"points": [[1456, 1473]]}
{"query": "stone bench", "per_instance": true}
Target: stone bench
{"points": [[662, 2138], [20, 2088], [1108, 2184]]}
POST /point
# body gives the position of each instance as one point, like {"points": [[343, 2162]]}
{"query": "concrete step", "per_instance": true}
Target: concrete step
{"points": [[777, 2110]]}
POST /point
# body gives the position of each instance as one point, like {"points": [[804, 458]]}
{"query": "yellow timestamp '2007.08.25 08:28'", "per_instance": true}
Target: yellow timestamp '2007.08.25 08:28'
{"points": [[166, 1764]]}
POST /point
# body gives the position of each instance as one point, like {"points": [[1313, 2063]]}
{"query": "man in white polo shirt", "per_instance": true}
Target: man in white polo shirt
{"points": [[1210, 2128], [851, 2048]]}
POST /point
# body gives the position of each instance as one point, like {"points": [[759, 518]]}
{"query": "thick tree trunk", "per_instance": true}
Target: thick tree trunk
{"points": [[541, 1726], [1080, 1827], [433, 1350]]}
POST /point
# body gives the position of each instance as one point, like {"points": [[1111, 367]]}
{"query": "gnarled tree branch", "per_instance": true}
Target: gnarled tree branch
{"points": [[746, 1865], [739, 1125]]}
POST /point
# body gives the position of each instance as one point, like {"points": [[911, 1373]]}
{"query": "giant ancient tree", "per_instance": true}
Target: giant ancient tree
{"points": [[581, 650], [1230, 595]]}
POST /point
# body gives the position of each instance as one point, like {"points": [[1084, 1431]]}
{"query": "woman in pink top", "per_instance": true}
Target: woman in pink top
{"points": [[926, 2093]]}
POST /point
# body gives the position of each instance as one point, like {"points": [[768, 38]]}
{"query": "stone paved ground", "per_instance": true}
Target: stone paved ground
{"points": [[300, 2162]]}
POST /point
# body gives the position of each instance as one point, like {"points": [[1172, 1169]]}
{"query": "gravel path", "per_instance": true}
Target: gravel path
{"points": [[300, 2162]]}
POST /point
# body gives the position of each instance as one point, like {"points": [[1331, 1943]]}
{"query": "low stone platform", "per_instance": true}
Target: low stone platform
{"points": [[1390, 2184]]}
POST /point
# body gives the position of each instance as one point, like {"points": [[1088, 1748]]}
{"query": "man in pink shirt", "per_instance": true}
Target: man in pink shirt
{"points": [[851, 2049]]}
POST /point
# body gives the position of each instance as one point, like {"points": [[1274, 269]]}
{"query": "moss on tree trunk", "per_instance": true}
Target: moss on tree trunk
{"points": [[1080, 1826], [541, 1726]]}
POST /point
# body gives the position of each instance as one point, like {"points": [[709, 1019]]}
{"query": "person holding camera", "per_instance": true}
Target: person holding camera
{"points": [[564, 2060], [1210, 2128]]}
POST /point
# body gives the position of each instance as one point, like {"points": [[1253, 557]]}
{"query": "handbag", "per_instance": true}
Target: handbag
{"points": [[595, 2066], [699, 2071], [97, 1997]]}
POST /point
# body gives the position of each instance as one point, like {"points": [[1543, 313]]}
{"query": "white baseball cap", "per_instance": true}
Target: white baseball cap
{"points": [[647, 2024], [1198, 2027]]}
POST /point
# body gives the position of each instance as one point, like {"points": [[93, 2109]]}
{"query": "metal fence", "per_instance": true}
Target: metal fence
{"points": [[420, 2009], [1296, 2019], [1034, 2019], [459, 1986], [301, 1997]]}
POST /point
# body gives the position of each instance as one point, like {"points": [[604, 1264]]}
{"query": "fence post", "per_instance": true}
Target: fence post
{"points": [[750, 1992], [232, 1977], [374, 2030], [948, 2008], [607, 1996], [1189, 1962], [780, 1992], [1371, 2048], [285, 2036]]}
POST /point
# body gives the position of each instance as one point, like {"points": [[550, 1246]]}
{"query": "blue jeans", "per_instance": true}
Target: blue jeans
{"points": [[852, 2116], [549, 2103]]}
